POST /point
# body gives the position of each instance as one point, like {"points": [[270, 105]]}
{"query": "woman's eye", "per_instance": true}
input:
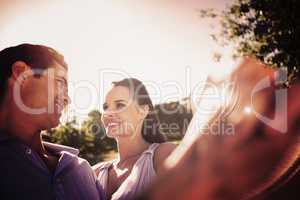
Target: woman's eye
{"points": [[105, 107], [120, 106]]}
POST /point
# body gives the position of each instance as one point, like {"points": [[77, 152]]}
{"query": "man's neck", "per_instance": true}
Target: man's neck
{"points": [[31, 138], [37, 145], [14, 124]]}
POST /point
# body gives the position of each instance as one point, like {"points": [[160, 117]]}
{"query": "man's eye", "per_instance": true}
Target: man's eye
{"points": [[61, 82]]}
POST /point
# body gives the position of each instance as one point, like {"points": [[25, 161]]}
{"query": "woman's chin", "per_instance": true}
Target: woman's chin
{"points": [[116, 134], [112, 134], [109, 135]]}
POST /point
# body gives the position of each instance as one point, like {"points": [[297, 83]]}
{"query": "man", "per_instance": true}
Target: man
{"points": [[33, 93]]}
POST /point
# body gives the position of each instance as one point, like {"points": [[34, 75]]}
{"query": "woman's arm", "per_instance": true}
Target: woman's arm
{"points": [[247, 162], [160, 155]]}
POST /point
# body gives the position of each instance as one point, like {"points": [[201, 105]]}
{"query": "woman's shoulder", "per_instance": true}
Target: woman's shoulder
{"points": [[162, 151], [165, 148]]}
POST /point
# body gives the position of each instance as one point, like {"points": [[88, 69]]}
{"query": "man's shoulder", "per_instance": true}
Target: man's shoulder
{"points": [[58, 148], [69, 156], [7, 146]]}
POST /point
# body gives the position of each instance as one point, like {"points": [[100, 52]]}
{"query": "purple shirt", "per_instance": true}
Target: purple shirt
{"points": [[24, 175]]}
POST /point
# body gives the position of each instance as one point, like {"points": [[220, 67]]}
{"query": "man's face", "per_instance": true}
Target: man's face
{"points": [[43, 98]]}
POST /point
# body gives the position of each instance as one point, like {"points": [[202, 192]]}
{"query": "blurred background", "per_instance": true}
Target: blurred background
{"points": [[163, 43]]}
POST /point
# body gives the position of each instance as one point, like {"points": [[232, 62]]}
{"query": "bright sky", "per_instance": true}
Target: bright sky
{"points": [[161, 42]]}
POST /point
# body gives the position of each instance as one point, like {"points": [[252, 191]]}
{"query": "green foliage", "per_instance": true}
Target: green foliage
{"points": [[265, 29]]}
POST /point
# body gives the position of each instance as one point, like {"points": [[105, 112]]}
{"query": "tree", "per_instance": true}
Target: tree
{"points": [[265, 29]]}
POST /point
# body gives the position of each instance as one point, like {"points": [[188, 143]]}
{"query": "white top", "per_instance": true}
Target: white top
{"points": [[140, 177]]}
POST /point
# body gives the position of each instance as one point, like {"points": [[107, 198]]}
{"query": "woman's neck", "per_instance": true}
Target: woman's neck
{"points": [[131, 147]]}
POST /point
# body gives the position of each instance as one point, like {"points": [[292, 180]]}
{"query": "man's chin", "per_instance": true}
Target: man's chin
{"points": [[54, 122]]}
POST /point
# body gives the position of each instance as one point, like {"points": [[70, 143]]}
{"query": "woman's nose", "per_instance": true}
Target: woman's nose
{"points": [[109, 114]]}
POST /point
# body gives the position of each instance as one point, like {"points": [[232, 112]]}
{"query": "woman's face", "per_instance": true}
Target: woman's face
{"points": [[122, 116]]}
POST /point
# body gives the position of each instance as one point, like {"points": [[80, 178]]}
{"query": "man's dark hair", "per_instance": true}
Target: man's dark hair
{"points": [[36, 56]]}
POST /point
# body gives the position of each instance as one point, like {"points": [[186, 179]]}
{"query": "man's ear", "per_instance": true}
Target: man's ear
{"points": [[20, 71]]}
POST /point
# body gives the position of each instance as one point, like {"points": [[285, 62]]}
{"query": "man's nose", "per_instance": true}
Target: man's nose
{"points": [[67, 100]]}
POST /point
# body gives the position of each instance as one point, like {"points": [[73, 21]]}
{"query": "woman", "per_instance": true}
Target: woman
{"points": [[130, 119]]}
